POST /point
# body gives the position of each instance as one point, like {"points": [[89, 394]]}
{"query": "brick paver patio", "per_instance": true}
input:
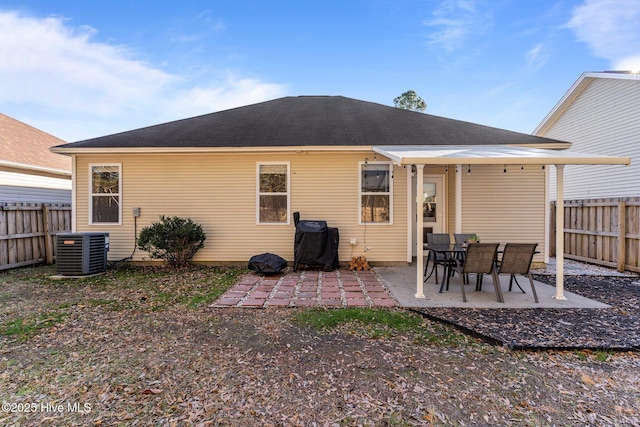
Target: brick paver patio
{"points": [[308, 288]]}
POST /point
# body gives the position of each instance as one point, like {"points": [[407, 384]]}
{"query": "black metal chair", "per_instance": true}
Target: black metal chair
{"points": [[435, 257], [480, 259], [516, 260]]}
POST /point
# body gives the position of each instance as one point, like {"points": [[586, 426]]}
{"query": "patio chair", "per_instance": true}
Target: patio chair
{"points": [[516, 260], [462, 237], [434, 257], [480, 259]]}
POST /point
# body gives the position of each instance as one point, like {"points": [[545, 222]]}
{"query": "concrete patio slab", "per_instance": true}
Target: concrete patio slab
{"points": [[401, 282]]}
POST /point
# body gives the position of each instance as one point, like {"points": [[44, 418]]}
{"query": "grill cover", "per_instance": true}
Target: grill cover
{"points": [[267, 263], [315, 244]]}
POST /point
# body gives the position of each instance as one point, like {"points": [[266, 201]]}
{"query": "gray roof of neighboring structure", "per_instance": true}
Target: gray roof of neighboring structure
{"points": [[310, 121]]}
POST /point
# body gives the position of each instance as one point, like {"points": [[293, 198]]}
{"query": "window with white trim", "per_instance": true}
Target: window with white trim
{"points": [[375, 193], [273, 193], [105, 193]]}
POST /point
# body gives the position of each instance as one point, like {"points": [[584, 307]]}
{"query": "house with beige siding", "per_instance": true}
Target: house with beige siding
{"points": [[383, 176], [29, 171], [599, 114]]}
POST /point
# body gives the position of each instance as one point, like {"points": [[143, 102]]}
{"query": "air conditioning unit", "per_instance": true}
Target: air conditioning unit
{"points": [[81, 254]]}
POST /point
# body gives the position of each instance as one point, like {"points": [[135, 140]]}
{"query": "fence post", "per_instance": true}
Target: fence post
{"points": [[48, 241], [622, 235]]}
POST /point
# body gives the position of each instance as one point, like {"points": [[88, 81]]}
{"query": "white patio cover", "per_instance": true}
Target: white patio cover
{"points": [[421, 155], [492, 155]]}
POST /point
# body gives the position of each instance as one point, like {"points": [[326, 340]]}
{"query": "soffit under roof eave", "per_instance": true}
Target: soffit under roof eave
{"points": [[262, 149], [199, 150], [491, 155], [26, 169]]}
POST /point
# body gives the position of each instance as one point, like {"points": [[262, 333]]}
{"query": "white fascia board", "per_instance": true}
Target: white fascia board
{"points": [[576, 89], [568, 98]]}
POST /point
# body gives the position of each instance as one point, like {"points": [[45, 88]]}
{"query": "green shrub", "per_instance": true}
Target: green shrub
{"points": [[175, 240]]}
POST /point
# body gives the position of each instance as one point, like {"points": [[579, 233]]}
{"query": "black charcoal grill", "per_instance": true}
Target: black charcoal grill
{"points": [[315, 244]]}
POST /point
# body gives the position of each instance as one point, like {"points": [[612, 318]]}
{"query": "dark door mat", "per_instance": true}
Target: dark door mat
{"points": [[615, 328]]}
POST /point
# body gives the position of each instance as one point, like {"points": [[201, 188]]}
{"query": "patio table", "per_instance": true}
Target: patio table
{"points": [[451, 252]]}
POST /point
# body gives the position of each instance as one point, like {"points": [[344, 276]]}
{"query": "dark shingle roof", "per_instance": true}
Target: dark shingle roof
{"points": [[311, 121]]}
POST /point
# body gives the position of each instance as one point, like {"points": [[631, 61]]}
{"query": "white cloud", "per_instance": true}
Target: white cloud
{"points": [[221, 95], [630, 63], [611, 29], [455, 21], [536, 58], [60, 76]]}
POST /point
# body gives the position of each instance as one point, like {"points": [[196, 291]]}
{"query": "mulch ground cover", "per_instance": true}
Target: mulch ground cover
{"points": [[614, 328]]}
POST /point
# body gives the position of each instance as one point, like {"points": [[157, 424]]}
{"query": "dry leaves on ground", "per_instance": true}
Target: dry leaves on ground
{"points": [[155, 358]]}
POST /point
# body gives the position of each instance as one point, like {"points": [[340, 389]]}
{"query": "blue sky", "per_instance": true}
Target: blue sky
{"points": [[79, 71]]}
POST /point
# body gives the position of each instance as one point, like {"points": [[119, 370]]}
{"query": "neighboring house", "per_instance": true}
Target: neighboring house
{"points": [[29, 171], [242, 173], [600, 114]]}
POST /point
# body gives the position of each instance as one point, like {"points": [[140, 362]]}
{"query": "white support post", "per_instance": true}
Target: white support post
{"points": [[560, 233], [409, 216], [458, 226], [419, 233], [547, 214]]}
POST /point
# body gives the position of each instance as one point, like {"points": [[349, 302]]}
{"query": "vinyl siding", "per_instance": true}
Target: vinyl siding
{"points": [[505, 207], [603, 119], [218, 191], [26, 188], [499, 207], [10, 194]]}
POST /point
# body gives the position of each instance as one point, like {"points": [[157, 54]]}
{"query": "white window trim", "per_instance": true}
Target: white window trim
{"points": [[288, 193], [360, 194], [90, 212]]}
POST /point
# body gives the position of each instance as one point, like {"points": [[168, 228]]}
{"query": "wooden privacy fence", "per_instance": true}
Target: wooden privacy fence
{"points": [[601, 231], [27, 232]]}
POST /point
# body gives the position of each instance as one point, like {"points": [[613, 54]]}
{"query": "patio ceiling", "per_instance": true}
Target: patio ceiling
{"points": [[492, 154]]}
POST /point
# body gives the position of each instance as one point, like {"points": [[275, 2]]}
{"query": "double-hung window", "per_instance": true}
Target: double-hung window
{"points": [[273, 193], [375, 193], [105, 190]]}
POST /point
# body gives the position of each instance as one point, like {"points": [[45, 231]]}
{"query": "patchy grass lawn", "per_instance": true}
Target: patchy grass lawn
{"points": [[142, 346]]}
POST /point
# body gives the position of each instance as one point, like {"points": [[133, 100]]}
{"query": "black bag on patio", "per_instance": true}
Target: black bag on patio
{"points": [[267, 263]]}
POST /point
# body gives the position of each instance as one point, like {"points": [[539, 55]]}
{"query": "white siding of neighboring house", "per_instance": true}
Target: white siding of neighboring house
{"points": [[25, 188], [603, 119]]}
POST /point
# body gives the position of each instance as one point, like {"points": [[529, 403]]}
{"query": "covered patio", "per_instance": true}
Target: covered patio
{"points": [[400, 283], [455, 156]]}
